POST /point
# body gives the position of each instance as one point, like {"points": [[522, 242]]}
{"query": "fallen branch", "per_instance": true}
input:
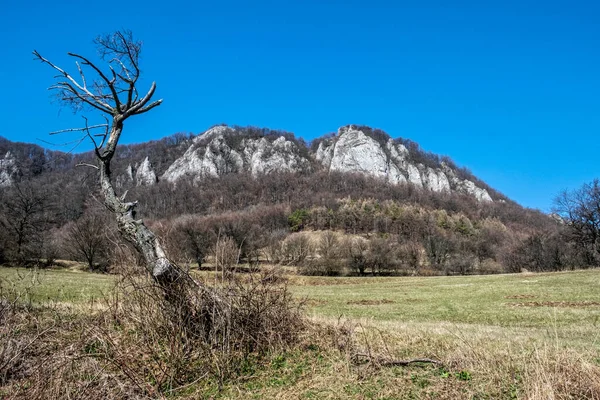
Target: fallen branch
{"points": [[386, 362]]}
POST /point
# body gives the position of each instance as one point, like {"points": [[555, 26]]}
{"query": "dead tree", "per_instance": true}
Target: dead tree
{"points": [[114, 94]]}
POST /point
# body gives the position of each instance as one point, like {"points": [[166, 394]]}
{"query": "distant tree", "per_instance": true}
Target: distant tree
{"points": [[115, 95], [580, 210], [86, 238], [356, 250], [24, 215]]}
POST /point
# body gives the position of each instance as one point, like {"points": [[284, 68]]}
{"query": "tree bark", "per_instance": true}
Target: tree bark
{"points": [[134, 230]]}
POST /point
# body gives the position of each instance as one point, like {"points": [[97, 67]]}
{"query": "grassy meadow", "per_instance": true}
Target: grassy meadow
{"points": [[531, 336]]}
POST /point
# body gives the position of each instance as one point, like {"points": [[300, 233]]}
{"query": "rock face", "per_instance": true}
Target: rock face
{"points": [[140, 174], [353, 150], [223, 150], [8, 168], [144, 174]]}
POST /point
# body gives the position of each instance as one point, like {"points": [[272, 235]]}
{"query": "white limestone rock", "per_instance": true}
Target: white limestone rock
{"points": [[8, 168], [398, 160], [436, 180], [265, 157], [466, 186], [144, 174], [210, 154], [325, 153], [356, 152], [479, 193]]}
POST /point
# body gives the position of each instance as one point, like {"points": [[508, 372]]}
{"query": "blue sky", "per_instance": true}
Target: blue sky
{"points": [[509, 89]]}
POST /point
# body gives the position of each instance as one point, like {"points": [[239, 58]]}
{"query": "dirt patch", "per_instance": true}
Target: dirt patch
{"points": [[412, 300], [556, 304], [370, 302], [317, 281], [313, 302], [521, 296]]}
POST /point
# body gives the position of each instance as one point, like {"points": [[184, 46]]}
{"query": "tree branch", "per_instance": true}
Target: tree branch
{"points": [[109, 82], [75, 88]]}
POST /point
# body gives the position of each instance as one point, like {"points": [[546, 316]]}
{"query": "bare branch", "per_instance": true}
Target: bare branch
{"points": [[105, 134], [139, 105], [79, 129], [150, 106], [109, 82], [82, 164], [387, 362], [75, 88], [81, 73]]}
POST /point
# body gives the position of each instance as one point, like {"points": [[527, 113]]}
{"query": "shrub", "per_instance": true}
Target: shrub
{"points": [[297, 248], [297, 219], [355, 249]]}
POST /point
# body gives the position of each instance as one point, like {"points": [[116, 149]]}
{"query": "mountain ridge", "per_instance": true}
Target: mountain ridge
{"points": [[224, 149]]}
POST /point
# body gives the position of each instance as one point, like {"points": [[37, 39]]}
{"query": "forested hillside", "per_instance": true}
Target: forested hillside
{"points": [[355, 202]]}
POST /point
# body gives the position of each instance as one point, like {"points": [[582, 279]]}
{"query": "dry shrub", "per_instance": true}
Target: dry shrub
{"points": [[273, 251], [560, 375], [146, 342], [355, 249], [207, 332], [329, 260], [226, 254]]}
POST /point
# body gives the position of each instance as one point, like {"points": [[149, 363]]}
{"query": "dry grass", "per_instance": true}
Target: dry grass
{"points": [[129, 348]]}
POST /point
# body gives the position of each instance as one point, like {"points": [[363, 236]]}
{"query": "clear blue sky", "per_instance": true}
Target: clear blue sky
{"points": [[510, 90]]}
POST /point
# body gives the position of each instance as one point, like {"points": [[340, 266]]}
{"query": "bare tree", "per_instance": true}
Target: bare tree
{"points": [[24, 215], [580, 210], [86, 239], [115, 95]]}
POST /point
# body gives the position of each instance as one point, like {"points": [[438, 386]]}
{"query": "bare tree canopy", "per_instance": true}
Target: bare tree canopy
{"points": [[580, 209], [114, 93]]}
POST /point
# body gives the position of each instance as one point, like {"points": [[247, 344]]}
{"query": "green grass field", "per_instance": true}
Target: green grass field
{"points": [[564, 305], [531, 336], [55, 285]]}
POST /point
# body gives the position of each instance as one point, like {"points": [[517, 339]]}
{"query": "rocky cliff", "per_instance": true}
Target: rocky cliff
{"points": [[354, 150], [138, 174], [224, 150], [8, 169]]}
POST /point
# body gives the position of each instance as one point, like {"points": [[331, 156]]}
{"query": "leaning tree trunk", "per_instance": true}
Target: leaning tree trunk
{"points": [[134, 230]]}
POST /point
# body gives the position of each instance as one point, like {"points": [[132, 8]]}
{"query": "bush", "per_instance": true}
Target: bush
{"points": [[297, 248], [322, 267], [297, 220], [273, 250], [355, 250]]}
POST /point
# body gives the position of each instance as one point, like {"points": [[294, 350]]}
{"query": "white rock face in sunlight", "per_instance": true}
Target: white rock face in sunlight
{"points": [[353, 150], [144, 174], [8, 168], [224, 150], [213, 154]]}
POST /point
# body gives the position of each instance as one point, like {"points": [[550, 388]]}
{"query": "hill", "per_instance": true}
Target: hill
{"points": [[378, 205]]}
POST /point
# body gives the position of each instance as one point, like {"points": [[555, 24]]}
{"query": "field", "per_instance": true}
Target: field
{"points": [[502, 336]]}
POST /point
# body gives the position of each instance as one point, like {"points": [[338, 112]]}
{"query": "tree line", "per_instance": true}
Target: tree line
{"points": [[377, 228]]}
